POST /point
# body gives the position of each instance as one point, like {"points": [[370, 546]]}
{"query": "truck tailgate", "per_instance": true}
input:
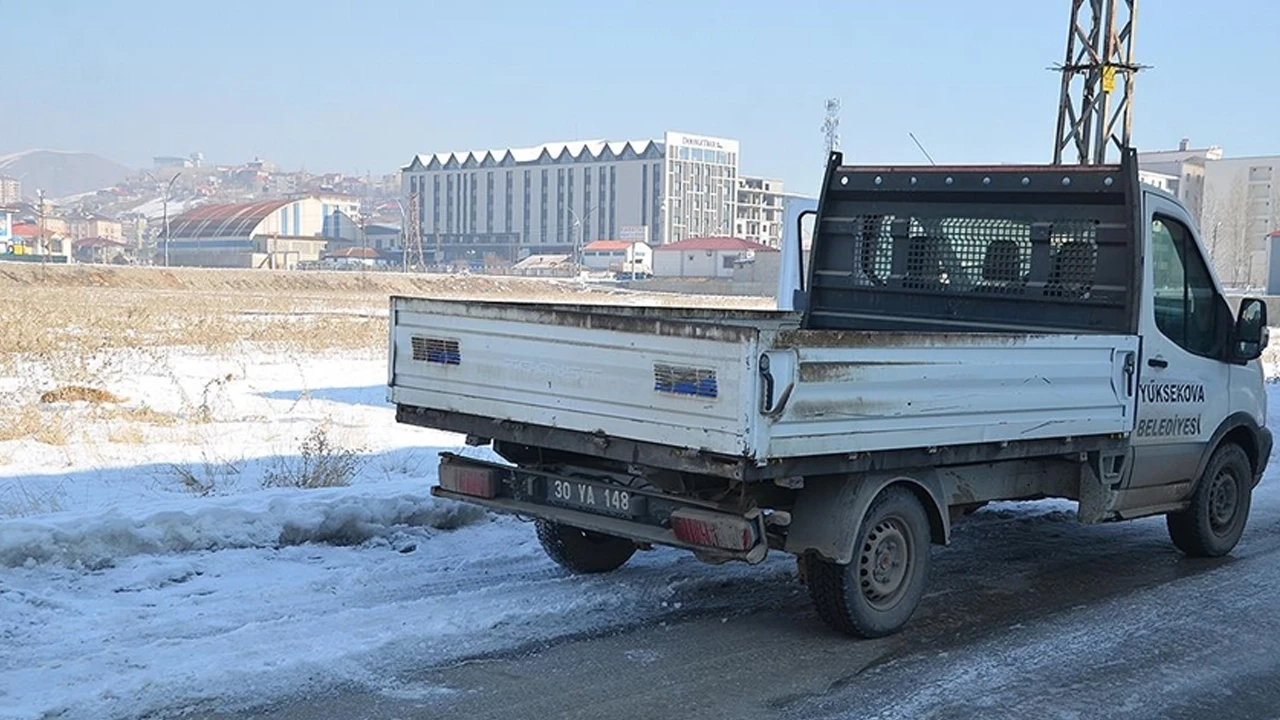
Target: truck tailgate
{"points": [[657, 375]]}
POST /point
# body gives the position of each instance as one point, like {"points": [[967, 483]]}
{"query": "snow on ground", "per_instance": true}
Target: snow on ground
{"points": [[143, 564]]}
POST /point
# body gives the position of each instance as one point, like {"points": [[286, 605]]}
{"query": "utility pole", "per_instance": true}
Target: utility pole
{"points": [[41, 242], [168, 190], [364, 240], [1095, 114]]}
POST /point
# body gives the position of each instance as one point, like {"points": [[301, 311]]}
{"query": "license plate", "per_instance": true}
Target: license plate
{"points": [[596, 498]]}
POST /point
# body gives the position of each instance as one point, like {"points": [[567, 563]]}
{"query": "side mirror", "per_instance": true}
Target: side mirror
{"points": [[1250, 335]]}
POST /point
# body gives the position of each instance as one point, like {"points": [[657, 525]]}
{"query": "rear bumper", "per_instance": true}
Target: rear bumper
{"points": [[524, 492]]}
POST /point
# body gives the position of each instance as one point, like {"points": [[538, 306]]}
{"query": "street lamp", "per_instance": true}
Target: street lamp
{"points": [[577, 225], [164, 202]]}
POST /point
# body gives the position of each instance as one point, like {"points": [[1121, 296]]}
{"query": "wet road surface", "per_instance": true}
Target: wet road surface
{"points": [[1029, 614]]}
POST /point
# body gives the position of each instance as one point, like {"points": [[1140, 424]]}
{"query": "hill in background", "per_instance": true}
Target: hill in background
{"points": [[61, 174]]}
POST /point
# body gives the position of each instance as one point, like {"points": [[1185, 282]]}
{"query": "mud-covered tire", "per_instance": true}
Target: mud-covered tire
{"points": [[583, 551], [1219, 509], [876, 594]]}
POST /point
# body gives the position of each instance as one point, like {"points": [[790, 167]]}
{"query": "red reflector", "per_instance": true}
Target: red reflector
{"points": [[476, 481], [710, 529]]}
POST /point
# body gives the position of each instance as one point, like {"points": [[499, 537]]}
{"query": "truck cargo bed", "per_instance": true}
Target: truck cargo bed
{"points": [[752, 384]]}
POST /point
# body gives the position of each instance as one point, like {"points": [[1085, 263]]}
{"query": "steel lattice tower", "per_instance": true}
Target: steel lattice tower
{"points": [[413, 255], [831, 129], [1095, 111]]}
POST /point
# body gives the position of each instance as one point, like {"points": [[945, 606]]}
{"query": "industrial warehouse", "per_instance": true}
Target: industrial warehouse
{"points": [[276, 234]]}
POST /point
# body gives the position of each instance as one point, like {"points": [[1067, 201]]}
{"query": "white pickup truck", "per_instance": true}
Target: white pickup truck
{"points": [[962, 335]]}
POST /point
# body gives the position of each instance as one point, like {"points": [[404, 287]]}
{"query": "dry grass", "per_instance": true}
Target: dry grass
{"points": [[81, 317], [79, 393], [53, 432], [27, 421], [209, 477], [80, 330], [21, 422], [142, 415], [126, 435]]}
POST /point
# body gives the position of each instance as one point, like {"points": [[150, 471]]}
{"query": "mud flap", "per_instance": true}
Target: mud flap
{"points": [[828, 511], [1097, 498]]}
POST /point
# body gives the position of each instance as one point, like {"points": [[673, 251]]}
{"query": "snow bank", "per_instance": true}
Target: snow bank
{"points": [[337, 518]]}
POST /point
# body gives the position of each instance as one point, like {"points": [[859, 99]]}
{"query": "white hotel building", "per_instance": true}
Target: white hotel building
{"points": [[509, 203]]}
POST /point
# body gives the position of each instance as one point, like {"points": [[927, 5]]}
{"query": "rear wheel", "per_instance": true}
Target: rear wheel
{"points": [[583, 551], [1214, 522], [876, 594]]}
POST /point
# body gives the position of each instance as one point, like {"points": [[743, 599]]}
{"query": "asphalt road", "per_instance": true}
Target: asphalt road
{"points": [[1029, 615]]}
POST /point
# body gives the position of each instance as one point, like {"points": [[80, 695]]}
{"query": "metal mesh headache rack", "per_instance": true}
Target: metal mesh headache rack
{"points": [[974, 249]]}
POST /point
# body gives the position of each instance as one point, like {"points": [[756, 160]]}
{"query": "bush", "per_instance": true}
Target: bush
{"points": [[209, 477], [321, 463]]}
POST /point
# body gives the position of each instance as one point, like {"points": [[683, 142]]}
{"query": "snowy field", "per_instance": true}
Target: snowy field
{"points": [[213, 523], [214, 531], [143, 562]]}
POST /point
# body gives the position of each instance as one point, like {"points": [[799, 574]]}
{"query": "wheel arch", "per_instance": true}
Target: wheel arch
{"points": [[828, 511], [1240, 429]]}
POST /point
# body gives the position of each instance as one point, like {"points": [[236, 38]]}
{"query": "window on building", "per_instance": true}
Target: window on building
{"points": [[473, 201], [613, 201], [644, 195], [542, 225], [1187, 306], [435, 204], [602, 218], [488, 201], [510, 201], [657, 202], [560, 205], [569, 205], [448, 206], [586, 202], [528, 203]]}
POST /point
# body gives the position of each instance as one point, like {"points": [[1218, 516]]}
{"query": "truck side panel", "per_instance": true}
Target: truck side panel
{"points": [[892, 391]]}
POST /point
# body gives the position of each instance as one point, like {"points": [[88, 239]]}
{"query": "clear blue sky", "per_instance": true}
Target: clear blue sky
{"points": [[353, 86]]}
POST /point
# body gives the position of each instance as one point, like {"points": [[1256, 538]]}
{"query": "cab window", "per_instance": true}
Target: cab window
{"points": [[1186, 303]]}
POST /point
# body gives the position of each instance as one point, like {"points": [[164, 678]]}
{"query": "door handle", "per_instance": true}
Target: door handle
{"points": [[1158, 362]]}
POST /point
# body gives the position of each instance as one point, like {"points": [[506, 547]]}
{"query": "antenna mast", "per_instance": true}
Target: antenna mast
{"points": [[831, 129], [1095, 114]]}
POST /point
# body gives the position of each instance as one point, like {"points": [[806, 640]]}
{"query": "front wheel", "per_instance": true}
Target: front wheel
{"points": [[877, 593], [583, 551], [1215, 520]]}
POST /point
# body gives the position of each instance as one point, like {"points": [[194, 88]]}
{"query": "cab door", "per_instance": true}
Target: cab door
{"points": [[1183, 376]]}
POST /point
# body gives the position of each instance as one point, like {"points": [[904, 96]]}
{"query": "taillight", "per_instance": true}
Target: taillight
{"points": [[475, 481], [710, 529]]}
